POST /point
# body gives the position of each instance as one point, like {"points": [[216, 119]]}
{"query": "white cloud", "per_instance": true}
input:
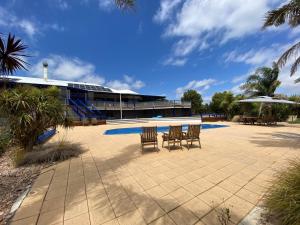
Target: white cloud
{"points": [[166, 10], [175, 61], [106, 5], [31, 28], [9, 20], [64, 68], [265, 57], [237, 89], [202, 23], [198, 85], [62, 4], [128, 83]]}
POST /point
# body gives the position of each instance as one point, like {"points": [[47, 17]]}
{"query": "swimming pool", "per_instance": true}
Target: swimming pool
{"points": [[161, 129]]}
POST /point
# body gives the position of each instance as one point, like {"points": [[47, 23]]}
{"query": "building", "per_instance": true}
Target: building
{"points": [[87, 101]]}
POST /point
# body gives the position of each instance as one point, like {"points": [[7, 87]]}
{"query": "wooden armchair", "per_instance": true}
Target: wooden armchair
{"points": [[174, 136], [192, 135], [149, 137]]}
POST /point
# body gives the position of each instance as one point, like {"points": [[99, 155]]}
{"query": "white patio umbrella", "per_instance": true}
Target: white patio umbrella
{"points": [[267, 99]]}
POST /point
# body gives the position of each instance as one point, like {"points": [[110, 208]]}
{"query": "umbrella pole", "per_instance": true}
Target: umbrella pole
{"points": [[260, 109]]}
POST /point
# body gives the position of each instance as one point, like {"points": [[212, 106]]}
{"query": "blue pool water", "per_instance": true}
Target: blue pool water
{"points": [[138, 130]]}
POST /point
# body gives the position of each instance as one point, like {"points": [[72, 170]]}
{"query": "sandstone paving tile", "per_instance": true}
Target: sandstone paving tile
{"points": [[239, 208], [181, 180], [112, 222], [98, 201], [160, 178], [101, 215], [75, 209], [97, 190], [211, 218], [26, 211], [182, 215], [182, 195], [169, 186], [131, 218], [164, 220], [167, 203], [75, 197], [82, 219], [53, 204], [198, 207], [123, 206], [55, 193], [214, 196], [203, 184], [237, 180], [228, 186], [191, 176], [151, 212], [216, 177], [193, 188], [143, 200], [147, 183], [33, 197], [51, 218], [255, 188], [249, 196], [157, 192], [27, 221]]}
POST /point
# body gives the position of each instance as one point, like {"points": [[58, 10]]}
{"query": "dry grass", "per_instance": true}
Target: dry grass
{"points": [[283, 198], [51, 152]]}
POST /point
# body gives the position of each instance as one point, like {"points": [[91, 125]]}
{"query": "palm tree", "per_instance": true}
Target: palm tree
{"points": [[125, 4], [263, 82], [12, 55], [290, 13]]}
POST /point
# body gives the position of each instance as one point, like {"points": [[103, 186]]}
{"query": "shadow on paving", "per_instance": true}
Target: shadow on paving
{"points": [[277, 139], [103, 189]]}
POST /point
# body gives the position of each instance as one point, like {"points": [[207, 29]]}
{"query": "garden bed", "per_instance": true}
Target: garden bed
{"points": [[13, 182]]}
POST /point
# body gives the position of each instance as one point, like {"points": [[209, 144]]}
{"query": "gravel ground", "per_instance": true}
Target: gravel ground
{"points": [[13, 182]]}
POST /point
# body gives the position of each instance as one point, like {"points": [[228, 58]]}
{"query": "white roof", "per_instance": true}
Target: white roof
{"points": [[60, 83], [267, 99]]}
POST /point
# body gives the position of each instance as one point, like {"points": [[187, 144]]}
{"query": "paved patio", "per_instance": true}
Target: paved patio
{"points": [[114, 183]]}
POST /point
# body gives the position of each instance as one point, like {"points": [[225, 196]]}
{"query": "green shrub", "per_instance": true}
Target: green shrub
{"points": [[4, 141], [30, 111], [283, 198]]}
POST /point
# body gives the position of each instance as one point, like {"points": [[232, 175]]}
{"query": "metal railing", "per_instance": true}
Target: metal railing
{"points": [[105, 105]]}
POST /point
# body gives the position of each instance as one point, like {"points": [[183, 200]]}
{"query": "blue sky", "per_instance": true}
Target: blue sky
{"points": [[164, 47]]}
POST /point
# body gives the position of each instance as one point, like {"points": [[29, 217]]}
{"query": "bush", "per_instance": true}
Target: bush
{"points": [[31, 111], [4, 141], [49, 153], [283, 198]]}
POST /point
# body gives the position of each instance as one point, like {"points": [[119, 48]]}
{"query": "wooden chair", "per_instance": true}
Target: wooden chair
{"points": [[192, 135], [174, 136], [149, 136]]}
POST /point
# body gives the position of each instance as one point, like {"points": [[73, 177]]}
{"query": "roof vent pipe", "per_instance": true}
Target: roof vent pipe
{"points": [[45, 66]]}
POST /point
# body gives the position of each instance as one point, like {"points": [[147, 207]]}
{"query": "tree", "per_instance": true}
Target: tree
{"points": [[125, 4], [31, 111], [195, 98], [263, 82], [12, 55], [221, 102], [290, 13]]}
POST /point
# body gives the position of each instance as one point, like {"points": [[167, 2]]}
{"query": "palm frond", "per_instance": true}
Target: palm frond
{"points": [[297, 80], [287, 13], [12, 55], [125, 4], [295, 66], [289, 53]]}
